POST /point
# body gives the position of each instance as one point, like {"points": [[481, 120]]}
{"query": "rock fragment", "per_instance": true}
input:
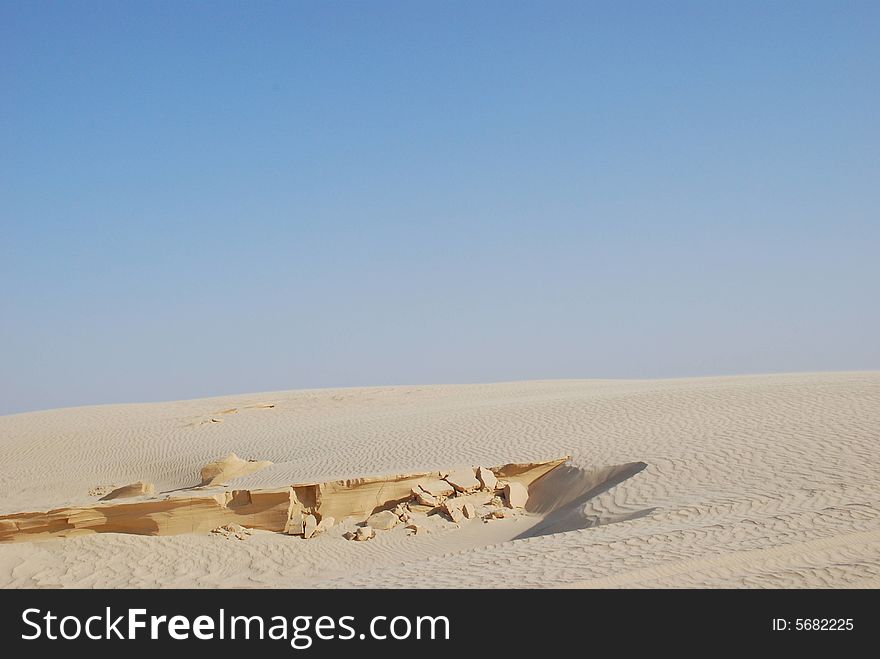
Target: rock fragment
{"points": [[463, 479], [295, 524], [453, 509], [310, 524], [469, 511], [425, 499], [437, 488], [383, 521], [325, 524], [364, 533], [487, 478], [517, 495]]}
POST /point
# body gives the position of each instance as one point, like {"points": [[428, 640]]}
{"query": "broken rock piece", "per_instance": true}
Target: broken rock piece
{"points": [[437, 488], [364, 533], [138, 489], [383, 521], [487, 478], [297, 524], [469, 510], [425, 499], [463, 479], [516, 494], [325, 524], [310, 524], [453, 508]]}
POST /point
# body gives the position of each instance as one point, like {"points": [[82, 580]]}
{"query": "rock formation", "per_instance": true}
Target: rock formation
{"points": [[302, 509]]}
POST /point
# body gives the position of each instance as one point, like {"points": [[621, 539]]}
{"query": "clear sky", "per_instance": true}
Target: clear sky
{"points": [[200, 198]]}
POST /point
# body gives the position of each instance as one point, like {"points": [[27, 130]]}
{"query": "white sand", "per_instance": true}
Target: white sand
{"points": [[756, 481]]}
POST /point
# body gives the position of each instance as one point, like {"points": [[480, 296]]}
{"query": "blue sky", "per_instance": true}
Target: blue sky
{"points": [[213, 197]]}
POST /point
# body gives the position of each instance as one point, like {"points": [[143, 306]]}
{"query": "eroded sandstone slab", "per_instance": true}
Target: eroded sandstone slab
{"points": [[297, 509]]}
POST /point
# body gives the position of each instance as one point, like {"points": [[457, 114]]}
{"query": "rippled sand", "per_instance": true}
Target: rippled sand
{"points": [[758, 481]]}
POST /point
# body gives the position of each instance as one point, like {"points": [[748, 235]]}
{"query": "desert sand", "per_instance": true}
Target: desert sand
{"points": [[746, 481]]}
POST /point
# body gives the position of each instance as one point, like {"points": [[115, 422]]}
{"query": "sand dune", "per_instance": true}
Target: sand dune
{"points": [[758, 481]]}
